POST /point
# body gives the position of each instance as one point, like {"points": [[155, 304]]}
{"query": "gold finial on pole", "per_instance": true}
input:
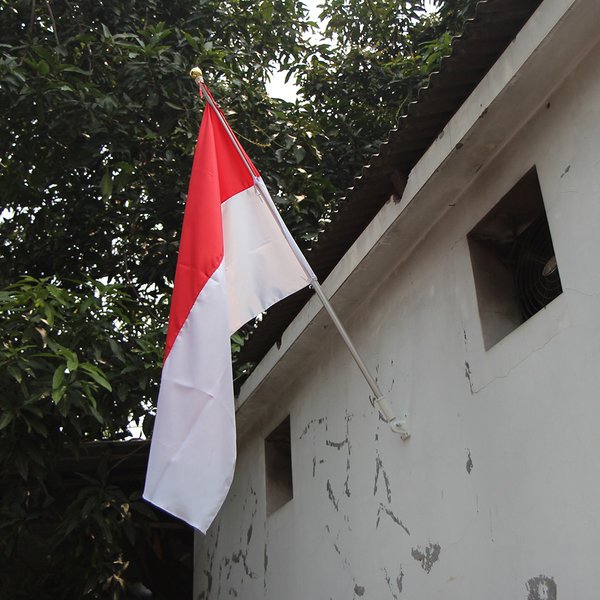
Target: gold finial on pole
{"points": [[196, 73]]}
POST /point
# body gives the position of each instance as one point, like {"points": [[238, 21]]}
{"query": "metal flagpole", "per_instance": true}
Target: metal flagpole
{"points": [[396, 425]]}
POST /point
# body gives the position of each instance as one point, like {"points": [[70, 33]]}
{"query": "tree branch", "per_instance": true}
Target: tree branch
{"points": [[53, 23]]}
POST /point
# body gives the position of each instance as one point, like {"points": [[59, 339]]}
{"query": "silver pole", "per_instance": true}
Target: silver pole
{"points": [[396, 425]]}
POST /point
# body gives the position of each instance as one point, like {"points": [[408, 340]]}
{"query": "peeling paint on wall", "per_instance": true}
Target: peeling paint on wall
{"points": [[541, 588], [226, 576], [427, 557], [266, 566], [209, 562], [241, 557], [469, 462], [338, 550], [359, 590], [379, 469], [468, 375], [392, 516], [398, 582], [332, 496], [309, 425], [339, 445]]}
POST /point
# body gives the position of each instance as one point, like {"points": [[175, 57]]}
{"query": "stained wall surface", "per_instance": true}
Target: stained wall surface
{"points": [[496, 494]]}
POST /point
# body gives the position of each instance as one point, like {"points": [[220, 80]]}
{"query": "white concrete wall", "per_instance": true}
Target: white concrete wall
{"points": [[497, 493]]}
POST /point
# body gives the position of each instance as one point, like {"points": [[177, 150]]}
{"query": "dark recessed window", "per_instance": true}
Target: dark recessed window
{"points": [[514, 265], [278, 467]]}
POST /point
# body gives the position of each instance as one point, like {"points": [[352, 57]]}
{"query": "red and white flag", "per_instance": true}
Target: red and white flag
{"points": [[236, 258]]}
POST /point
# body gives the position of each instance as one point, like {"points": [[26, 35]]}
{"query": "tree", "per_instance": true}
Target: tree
{"points": [[100, 118], [98, 130], [75, 365], [360, 79]]}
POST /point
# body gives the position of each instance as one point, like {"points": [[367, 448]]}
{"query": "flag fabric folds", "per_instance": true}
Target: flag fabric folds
{"points": [[236, 258]]}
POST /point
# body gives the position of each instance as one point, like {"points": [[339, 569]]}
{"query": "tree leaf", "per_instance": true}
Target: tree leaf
{"points": [[58, 386], [72, 362], [96, 414], [57, 395], [15, 373], [43, 67], [97, 375], [5, 419], [106, 185]]}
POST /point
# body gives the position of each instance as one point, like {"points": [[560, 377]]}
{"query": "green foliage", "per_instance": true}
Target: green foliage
{"points": [[99, 123], [100, 119], [359, 80], [78, 358], [75, 365]]}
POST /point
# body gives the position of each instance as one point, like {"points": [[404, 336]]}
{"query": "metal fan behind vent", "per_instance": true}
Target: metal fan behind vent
{"points": [[535, 269]]}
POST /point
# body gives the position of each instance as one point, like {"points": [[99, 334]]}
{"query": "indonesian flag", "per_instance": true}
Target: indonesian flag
{"points": [[236, 258]]}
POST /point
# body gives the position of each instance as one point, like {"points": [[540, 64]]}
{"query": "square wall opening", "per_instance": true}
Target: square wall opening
{"points": [[514, 264], [278, 467]]}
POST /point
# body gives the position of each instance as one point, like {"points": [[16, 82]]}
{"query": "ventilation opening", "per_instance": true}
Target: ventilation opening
{"points": [[514, 265], [278, 467]]}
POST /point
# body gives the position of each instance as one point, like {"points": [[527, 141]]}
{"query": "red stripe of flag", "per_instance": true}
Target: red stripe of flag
{"points": [[218, 173]]}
